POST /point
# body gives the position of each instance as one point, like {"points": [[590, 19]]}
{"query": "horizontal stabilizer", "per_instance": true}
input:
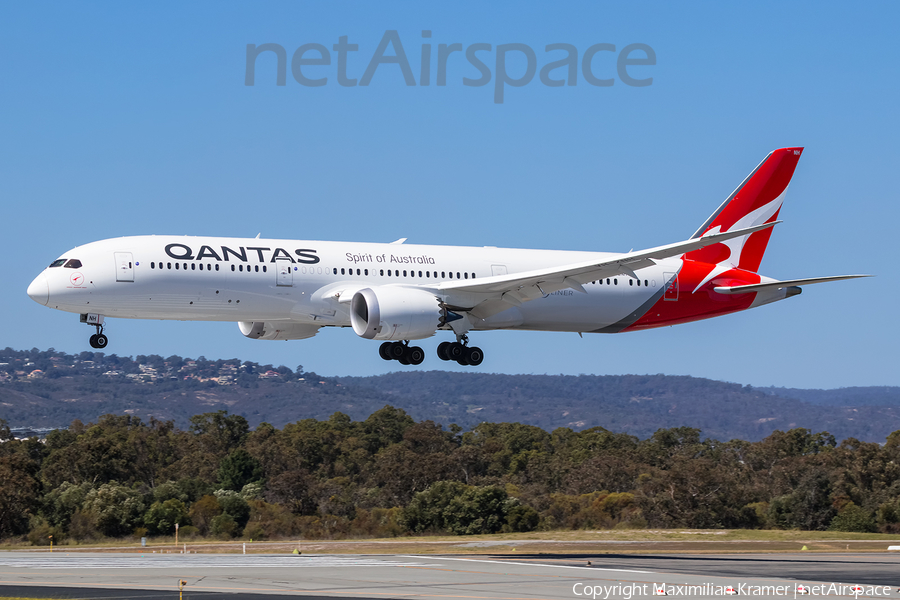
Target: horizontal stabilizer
{"points": [[757, 287]]}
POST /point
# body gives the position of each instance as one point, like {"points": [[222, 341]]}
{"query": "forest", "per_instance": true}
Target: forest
{"points": [[390, 475]]}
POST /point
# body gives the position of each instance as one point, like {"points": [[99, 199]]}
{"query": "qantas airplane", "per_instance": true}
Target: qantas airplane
{"points": [[394, 293]]}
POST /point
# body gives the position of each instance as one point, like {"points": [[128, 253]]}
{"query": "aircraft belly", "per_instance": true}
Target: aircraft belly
{"points": [[568, 310]]}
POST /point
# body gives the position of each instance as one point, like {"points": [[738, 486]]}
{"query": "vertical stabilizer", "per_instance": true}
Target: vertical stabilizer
{"points": [[756, 201]]}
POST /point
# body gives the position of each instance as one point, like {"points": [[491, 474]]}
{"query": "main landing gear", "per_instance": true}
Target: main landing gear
{"points": [[460, 352], [402, 352]]}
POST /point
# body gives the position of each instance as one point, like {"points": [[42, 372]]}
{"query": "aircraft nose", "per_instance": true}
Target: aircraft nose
{"points": [[39, 290]]}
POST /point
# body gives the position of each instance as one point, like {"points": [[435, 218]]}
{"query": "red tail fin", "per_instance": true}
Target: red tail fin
{"points": [[756, 201]]}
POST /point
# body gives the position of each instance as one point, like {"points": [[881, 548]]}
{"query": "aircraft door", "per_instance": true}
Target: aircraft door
{"points": [[498, 270], [284, 272], [670, 280], [124, 266]]}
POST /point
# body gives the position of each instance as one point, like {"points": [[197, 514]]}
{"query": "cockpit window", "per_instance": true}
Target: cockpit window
{"points": [[58, 262], [73, 263]]}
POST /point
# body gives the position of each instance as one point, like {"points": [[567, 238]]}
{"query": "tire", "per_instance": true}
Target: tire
{"points": [[397, 350], [101, 341], [384, 351], [415, 355], [403, 360], [442, 349], [462, 361], [93, 341], [474, 356], [456, 351]]}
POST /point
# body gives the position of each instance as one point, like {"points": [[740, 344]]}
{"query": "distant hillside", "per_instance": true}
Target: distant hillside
{"points": [[849, 396], [50, 389]]}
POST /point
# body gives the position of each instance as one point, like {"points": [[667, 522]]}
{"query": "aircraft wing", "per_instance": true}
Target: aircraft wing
{"points": [[756, 287], [514, 289]]}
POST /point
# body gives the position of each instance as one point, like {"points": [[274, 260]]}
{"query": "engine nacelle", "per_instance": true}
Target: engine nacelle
{"points": [[266, 330], [394, 313]]}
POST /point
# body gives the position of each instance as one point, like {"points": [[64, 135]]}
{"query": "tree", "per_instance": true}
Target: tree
{"points": [[18, 494], [238, 469], [116, 508], [163, 516]]}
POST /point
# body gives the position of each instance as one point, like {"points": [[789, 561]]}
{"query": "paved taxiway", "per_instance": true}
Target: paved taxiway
{"points": [[523, 577]]}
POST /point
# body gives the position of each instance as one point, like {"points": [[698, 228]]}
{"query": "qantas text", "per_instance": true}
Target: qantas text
{"points": [[261, 254]]}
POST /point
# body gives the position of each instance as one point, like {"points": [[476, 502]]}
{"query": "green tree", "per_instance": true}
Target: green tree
{"points": [[853, 518], [238, 469], [116, 508], [161, 518]]}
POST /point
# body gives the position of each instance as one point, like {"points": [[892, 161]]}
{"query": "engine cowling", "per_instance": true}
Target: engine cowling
{"points": [[267, 330], [394, 313]]}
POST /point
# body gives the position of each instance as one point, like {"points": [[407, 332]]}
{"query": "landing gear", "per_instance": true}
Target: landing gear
{"points": [[98, 340], [460, 352], [402, 352]]}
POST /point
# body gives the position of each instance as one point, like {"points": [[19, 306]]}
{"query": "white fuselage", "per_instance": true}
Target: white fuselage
{"points": [[303, 282]]}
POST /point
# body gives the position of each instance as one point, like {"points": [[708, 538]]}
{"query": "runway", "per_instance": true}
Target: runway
{"points": [[522, 577]]}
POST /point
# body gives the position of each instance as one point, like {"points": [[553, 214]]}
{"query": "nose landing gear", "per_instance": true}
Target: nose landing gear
{"points": [[402, 352], [460, 352], [98, 340]]}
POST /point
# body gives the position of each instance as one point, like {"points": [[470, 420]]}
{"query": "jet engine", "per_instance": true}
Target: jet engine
{"points": [[395, 313], [265, 330]]}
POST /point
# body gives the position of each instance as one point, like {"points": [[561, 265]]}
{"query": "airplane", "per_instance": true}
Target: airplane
{"points": [[395, 293]]}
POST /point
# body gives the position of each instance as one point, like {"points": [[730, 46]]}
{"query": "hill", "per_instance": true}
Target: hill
{"points": [[50, 389]]}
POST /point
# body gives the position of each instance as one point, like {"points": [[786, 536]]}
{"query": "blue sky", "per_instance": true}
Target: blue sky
{"points": [[124, 119]]}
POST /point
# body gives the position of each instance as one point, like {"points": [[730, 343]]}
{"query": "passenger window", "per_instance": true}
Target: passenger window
{"points": [[176, 266], [466, 274], [645, 283], [57, 263], [443, 275], [193, 266], [217, 266], [457, 274], [382, 272], [367, 272], [615, 282], [169, 265], [473, 275], [420, 273], [404, 273], [357, 272], [342, 272], [451, 274], [232, 267], [152, 265], [631, 282], [607, 281], [256, 268], [264, 269]]}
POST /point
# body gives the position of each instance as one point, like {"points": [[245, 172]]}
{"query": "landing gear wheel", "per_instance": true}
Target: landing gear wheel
{"points": [[474, 356], [397, 350], [456, 351], [101, 341], [93, 340], [442, 350], [403, 360], [415, 355], [384, 351]]}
